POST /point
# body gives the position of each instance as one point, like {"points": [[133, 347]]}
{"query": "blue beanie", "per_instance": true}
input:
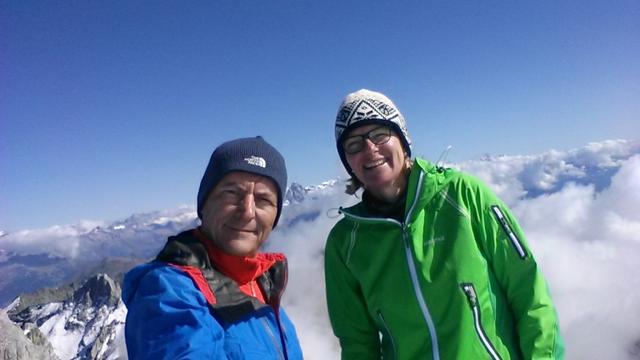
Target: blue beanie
{"points": [[253, 155]]}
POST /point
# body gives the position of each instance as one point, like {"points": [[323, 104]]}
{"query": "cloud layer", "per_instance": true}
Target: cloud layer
{"points": [[588, 244]]}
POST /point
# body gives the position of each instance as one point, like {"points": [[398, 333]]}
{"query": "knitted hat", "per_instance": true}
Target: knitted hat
{"points": [[252, 155], [365, 107]]}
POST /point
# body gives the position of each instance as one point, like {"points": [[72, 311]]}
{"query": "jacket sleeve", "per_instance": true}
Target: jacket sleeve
{"points": [[350, 320], [517, 272], [168, 318]]}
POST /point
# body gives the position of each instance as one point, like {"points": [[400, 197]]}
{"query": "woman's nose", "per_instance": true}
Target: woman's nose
{"points": [[369, 145]]}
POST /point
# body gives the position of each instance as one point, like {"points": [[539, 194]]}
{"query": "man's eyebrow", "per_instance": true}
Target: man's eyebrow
{"points": [[266, 191], [230, 183]]}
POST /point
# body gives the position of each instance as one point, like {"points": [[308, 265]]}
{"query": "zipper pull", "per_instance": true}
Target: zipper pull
{"points": [[471, 294]]}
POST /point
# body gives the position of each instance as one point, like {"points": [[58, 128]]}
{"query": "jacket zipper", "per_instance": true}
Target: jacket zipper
{"points": [[420, 297], [276, 344], [507, 229], [388, 331], [470, 292], [412, 266]]}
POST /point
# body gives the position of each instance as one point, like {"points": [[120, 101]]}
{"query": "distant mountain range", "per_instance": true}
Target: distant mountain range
{"points": [[138, 237], [60, 286]]}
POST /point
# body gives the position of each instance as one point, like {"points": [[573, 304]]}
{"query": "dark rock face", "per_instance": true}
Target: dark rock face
{"points": [[97, 291]]}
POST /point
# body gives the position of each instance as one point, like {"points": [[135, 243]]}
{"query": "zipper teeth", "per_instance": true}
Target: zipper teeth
{"points": [[421, 302], [276, 344], [470, 291], [453, 203], [505, 226], [386, 327]]}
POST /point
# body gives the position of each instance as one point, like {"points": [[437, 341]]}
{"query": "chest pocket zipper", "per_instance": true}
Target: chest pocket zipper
{"points": [[472, 297], [387, 334], [507, 229]]}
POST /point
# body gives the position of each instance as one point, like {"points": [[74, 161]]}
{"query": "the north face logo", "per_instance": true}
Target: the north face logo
{"points": [[256, 160]]}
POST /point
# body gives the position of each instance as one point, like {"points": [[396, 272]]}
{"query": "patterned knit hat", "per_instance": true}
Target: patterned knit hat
{"points": [[252, 155], [365, 107]]}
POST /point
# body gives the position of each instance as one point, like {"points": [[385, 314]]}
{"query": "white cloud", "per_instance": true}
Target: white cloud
{"points": [[58, 240]]}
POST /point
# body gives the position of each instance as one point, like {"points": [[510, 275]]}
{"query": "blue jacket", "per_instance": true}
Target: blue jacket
{"points": [[170, 318]]}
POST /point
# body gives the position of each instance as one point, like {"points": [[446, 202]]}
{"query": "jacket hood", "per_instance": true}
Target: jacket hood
{"points": [[132, 280]]}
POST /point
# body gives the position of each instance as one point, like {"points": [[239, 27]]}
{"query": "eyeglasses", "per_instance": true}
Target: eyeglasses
{"points": [[354, 144]]}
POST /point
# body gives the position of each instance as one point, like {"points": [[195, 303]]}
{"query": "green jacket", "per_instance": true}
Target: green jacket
{"points": [[454, 280]]}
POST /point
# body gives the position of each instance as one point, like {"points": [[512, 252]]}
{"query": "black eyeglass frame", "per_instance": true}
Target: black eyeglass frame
{"points": [[377, 139]]}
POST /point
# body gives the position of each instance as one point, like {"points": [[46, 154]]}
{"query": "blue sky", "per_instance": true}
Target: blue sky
{"points": [[111, 108]]}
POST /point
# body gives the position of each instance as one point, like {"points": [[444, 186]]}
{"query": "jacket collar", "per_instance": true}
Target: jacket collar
{"points": [[242, 269], [425, 181], [376, 207]]}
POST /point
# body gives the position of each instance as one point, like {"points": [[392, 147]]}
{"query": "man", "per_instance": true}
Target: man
{"points": [[210, 293]]}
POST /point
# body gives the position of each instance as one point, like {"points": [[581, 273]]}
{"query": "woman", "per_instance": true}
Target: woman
{"points": [[430, 264]]}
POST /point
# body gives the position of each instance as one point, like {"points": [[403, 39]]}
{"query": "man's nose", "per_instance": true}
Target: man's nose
{"points": [[247, 207]]}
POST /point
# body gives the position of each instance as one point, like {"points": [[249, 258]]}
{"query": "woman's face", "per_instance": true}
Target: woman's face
{"points": [[380, 166]]}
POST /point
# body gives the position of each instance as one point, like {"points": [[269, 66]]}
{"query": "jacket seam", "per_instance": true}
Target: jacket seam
{"points": [[444, 194]]}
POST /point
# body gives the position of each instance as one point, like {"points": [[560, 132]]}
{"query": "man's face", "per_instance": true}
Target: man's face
{"points": [[239, 213]]}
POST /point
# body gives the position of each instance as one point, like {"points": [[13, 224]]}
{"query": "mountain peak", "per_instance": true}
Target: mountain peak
{"points": [[297, 193], [98, 290]]}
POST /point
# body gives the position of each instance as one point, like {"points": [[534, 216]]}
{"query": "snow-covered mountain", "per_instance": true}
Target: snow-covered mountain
{"points": [[297, 193], [579, 208], [87, 324]]}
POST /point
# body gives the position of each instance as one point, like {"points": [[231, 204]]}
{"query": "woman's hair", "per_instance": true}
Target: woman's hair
{"points": [[353, 184]]}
